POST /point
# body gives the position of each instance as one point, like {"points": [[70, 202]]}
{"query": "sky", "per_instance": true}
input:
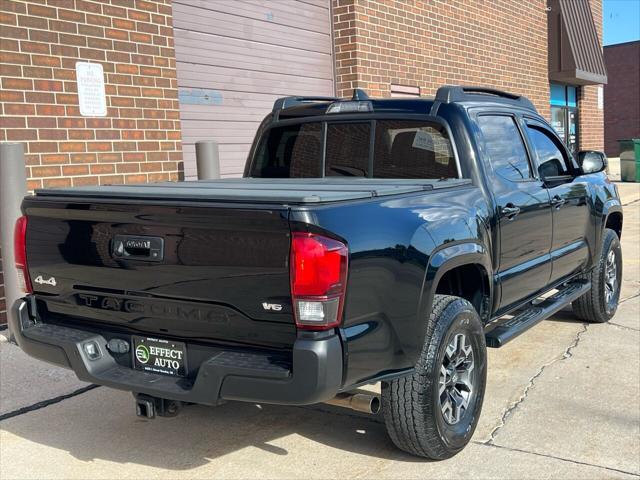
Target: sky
{"points": [[621, 21]]}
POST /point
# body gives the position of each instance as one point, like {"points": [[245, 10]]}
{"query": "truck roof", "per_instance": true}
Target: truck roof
{"points": [[292, 107]]}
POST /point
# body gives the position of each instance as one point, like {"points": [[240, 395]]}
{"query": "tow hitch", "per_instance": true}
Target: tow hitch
{"points": [[150, 407]]}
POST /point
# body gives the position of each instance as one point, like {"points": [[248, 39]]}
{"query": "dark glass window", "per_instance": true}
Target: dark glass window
{"points": [[505, 147], [412, 149], [347, 149], [550, 158], [292, 151], [403, 149]]}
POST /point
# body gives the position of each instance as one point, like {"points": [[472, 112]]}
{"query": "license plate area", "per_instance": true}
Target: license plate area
{"points": [[157, 355]]}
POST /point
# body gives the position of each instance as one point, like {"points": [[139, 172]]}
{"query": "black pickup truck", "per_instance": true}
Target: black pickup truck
{"points": [[370, 240]]}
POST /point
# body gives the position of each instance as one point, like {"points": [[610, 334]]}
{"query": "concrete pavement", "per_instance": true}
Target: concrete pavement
{"points": [[25, 381], [563, 400]]}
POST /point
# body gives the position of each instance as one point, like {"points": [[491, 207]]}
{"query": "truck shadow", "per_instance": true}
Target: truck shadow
{"points": [[565, 315], [101, 425]]}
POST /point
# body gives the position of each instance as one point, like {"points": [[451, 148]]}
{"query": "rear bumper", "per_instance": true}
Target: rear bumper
{"points": [[315, 375]]}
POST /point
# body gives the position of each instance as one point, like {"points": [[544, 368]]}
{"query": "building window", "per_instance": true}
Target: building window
{"points": [[404, 91], [564, 113]]}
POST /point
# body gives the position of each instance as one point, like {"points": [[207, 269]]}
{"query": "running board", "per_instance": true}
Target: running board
{"points": [[502, 331]]}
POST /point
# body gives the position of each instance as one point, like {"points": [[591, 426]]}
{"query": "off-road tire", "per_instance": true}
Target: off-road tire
{"points": [[593, 306], [412, 410]]}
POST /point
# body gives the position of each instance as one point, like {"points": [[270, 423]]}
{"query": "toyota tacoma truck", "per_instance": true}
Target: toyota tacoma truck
{"points": [[370, 240]]}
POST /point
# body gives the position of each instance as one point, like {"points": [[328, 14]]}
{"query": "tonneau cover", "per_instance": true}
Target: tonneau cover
{"points": [[261, 190]]}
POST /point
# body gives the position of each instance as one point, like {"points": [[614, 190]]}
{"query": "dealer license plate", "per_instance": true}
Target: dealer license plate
{"points": [[157, 355]]}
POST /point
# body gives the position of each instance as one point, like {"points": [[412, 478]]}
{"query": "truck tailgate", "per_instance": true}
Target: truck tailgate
{"points": [[215, 253], [213, 268]]}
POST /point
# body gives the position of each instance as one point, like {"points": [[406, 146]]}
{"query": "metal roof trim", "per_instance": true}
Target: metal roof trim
{"points": [[575, 51]]}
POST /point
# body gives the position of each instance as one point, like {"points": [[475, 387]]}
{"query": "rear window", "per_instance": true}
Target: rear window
{"points": [[401, 149], [293, 151], [411, 149], [347, 149]]}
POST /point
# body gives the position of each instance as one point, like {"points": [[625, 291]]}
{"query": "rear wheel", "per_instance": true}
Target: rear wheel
{"points": [[600, 303], [434, 412]]}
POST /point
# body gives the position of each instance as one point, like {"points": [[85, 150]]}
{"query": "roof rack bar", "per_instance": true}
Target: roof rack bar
{"points": [[285, 102], [490, 91], [359, 94], [456, 93]]}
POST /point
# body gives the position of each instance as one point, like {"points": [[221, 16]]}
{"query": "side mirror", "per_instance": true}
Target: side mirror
{"points": [[591, 161], [551, 168], [551, 173]]}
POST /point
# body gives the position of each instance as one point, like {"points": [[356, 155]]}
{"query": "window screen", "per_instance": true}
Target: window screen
{"points": [[412, 149], [505, 147]]}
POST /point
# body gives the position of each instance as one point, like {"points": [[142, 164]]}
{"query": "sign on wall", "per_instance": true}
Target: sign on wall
{"points": [[91, 95], [600, 97]]}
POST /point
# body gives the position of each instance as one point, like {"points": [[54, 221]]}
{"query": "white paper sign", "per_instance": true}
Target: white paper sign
{"points": [[422, 140], [600, 97], [91, 95]]}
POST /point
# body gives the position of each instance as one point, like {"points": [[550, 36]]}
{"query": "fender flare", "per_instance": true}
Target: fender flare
{"points": [[445, 259], [612, 205]]}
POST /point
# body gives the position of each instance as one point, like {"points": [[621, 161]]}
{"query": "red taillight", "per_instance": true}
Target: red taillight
{"points": [[20, 253], [318, 280]]}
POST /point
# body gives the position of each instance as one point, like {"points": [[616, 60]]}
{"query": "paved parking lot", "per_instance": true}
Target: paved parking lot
{"points": [[562, 401]]}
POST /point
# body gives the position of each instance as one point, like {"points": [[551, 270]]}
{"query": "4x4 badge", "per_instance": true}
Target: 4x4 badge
{"points": [[41, 281]]}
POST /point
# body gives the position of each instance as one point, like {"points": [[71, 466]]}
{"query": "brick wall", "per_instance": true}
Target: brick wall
{"points": [[429, 44], [590, 117], [621, 95], [139, 139]]}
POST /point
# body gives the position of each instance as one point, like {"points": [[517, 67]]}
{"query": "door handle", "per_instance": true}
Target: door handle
{"points": [[558, 201], [510, 211]]}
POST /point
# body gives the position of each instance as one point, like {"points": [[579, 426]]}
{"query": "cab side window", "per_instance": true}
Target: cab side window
{"points": [[507, 153], [551, 160]]}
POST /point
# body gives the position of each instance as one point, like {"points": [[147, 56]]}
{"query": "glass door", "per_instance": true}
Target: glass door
{"points": [[564, 114], [559, 122], [572, 129]]}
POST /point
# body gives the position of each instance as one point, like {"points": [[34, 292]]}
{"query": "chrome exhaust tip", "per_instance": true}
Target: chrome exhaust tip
{"points": [[360, 402]]}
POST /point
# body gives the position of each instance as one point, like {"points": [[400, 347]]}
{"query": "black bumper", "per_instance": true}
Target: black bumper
{"points": [[315, 374]]}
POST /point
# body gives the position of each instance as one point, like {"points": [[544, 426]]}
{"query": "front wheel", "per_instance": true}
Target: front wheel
{"points": [[600, 303], [434, 412]]}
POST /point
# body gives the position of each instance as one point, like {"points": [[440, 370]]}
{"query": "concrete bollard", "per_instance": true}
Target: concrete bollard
{"points": [[207, 160], [13, 188]]}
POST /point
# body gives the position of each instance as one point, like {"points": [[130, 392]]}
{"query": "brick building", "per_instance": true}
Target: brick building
{"points": [[621, 95], [176, 72]]}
